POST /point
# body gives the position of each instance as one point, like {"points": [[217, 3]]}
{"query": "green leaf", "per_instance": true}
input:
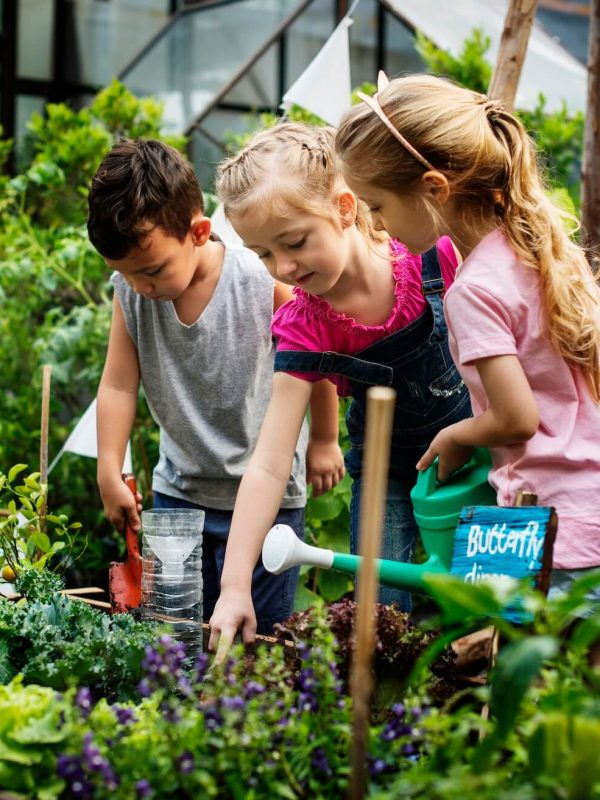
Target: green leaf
{"points": [[40, 540], [518, 665], [333, 585], [14, 471]]}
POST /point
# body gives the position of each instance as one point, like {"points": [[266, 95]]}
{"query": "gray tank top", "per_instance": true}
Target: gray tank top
{"points": [[208, 384]]}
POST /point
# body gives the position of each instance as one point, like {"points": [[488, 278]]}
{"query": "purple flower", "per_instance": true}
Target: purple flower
{"points": [[319, 761], [377, 766], [83, 701], [69, 767], [170, 711], [185, 762], [252, 689], [200, 667], [212, 717], [144, 688], [143, 789], [124, 715], [234, 703]]}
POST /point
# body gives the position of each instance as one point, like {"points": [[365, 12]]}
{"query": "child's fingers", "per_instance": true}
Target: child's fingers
{"points": [[426, 460], [221, 642]]}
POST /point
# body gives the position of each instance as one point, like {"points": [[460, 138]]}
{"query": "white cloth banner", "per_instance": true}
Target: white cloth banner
{"points": [[324, 87], [82, 440]]}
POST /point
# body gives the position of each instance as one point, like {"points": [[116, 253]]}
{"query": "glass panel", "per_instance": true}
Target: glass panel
{"points": [[206, 153], [35, 24], [363, 43], [307, 36], [26, 105], [108, 35], [400, 53], [258, 88], [570, 30], [200, 53]]}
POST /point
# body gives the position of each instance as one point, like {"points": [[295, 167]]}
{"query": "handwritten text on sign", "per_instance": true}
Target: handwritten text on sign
{"points": [[496, 543]]}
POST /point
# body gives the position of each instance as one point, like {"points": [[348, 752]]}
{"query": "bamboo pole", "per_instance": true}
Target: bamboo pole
{"points": [[380, 412], [46, 374], [590, 173], [512, 51]]}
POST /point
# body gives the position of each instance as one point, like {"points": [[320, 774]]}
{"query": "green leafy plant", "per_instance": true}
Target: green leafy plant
{"points": [[29, 536], [59, 642]]}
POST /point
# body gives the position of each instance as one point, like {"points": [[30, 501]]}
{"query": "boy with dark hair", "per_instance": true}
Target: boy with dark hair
{"points": [[191, 322]]}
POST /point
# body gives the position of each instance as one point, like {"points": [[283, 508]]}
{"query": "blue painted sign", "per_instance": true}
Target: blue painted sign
{"points": [[494, 543]]}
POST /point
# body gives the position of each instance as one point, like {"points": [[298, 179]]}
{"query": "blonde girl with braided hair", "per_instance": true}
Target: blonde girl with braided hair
{"points": [[365, 311], [431, 158]]}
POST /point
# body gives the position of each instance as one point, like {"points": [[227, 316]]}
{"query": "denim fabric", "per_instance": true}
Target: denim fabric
{"points": [[272, 595], [416, 362], [561, 581], [430, 395], [398, 535]]}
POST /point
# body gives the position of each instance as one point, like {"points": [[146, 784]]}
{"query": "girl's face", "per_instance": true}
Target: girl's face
{"points": [[402, 216], [301, 249]]}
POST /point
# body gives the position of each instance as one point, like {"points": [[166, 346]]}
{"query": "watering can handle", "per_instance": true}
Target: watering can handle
{"points": [[131, 537], [427, 480]]}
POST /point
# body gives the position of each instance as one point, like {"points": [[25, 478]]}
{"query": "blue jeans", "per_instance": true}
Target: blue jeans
{"points": [[272, 595], [398, 537], [561, 581]]}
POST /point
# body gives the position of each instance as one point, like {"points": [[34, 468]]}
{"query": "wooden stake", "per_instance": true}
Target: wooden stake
{"points": [[590, 173], [380, 413], [512, 51], [46, 373]]}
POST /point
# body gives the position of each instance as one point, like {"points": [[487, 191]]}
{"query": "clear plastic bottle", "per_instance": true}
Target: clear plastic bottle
{"points": [[172, 572]]}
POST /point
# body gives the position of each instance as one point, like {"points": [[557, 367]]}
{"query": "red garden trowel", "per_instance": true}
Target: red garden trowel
{"points": [[125, 580]]}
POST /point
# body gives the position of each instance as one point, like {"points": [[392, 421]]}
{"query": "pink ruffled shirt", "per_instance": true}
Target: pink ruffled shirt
{"points": [[494, 309], [309, 323]]}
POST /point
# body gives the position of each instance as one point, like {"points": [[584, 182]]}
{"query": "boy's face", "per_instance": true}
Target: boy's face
{"points": [[161, 267]]}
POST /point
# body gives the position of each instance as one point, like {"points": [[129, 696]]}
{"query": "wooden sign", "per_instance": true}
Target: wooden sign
{"points": [[493, 543]]}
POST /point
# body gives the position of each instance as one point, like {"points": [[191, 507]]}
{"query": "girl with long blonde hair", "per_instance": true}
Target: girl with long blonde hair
{"points": [[431, 158]]}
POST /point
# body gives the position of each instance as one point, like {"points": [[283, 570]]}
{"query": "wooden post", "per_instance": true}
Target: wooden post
{"points": [[512, 51], [590, 173], [380, 413]]}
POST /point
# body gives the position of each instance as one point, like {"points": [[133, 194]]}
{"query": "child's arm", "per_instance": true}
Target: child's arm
{"points": [[324, 459], [511, 417], [115, 415], [256, 506]]}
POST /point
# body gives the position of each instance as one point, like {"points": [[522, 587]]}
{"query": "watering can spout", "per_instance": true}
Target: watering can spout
{"points": [[282, 550]]}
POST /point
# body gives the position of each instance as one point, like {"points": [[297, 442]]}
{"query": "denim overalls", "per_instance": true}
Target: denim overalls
{"points": [[430, 395]]}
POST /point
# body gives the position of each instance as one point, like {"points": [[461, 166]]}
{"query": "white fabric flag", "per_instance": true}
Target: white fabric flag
{"points": [[223, 228], [82, 440], [324, 87]]}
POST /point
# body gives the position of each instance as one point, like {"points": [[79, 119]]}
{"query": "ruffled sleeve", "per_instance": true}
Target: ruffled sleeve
{"points": [[293, 328]]}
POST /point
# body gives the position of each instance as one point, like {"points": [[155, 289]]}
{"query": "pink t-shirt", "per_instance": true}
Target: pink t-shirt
{"points": [[493, 309], [309, 323]]}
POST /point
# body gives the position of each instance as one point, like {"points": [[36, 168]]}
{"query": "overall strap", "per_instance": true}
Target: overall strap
{"points": [[433, 286], [431, 273], [328, 363]]}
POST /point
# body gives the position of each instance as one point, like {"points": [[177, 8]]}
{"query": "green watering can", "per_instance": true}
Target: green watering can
{"points": [[437, 508]]}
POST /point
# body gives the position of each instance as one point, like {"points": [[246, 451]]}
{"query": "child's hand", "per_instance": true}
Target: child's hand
{"points": [[120, 506], [233, 612], [324, 465], [451, 455]]}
